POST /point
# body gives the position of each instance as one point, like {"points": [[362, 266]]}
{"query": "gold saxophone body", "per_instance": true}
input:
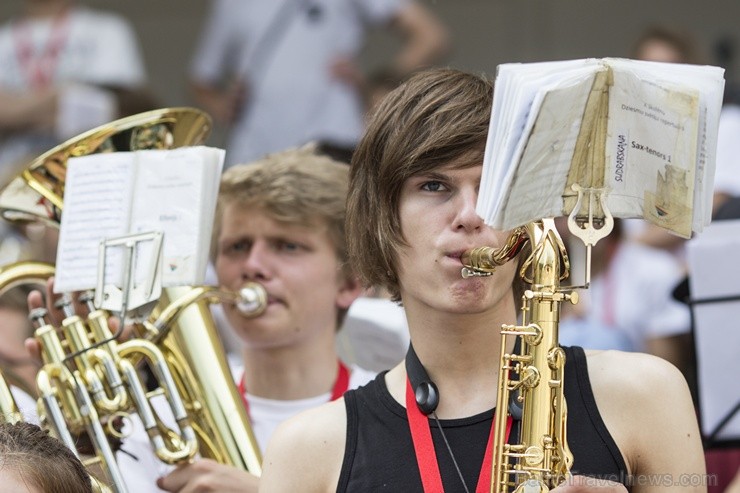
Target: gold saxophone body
{"points": [[89, 378], [533, 377]]}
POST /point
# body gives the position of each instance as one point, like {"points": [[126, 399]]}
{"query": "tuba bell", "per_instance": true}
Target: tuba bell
{"points": [[180, 328]]}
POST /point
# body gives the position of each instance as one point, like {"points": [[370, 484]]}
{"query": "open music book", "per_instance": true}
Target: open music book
{"points": [[110, 195], [645, 132]]}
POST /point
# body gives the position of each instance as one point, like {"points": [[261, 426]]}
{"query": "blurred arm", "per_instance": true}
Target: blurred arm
{"points": [[426, 39], [28, 110]]}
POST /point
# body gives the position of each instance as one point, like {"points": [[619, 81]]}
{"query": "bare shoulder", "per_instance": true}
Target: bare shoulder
{"points": [[635, 373], [306, 452], [647, 408]]}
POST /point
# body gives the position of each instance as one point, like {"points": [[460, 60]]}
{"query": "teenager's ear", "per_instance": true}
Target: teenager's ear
{"points": [[349, 291]]}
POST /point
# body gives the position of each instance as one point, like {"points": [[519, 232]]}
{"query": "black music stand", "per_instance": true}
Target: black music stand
{"points": [[715, 321]]}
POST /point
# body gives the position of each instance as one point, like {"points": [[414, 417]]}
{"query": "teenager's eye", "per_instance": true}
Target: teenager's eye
{"points": [[287, 246], [238, 246], [433, 186]]}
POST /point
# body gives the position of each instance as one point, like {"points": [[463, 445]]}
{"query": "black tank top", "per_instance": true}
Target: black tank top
{"points": [[379, 454]]}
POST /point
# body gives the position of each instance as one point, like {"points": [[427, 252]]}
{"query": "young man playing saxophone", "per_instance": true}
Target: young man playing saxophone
{"points": [[411, 214]]}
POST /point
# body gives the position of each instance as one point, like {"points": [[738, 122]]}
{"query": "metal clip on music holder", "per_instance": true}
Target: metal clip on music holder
{"points": [[585, 227], [131, 298]]}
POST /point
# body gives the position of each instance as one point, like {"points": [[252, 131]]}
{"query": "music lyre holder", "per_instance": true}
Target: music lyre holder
{"points": [[137, 299], [594, 225]]}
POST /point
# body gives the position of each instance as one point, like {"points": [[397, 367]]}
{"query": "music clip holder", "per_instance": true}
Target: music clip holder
{"points": [[585, 227], [132, 298]]}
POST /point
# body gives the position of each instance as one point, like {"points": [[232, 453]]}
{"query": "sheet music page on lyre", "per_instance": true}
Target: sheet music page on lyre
{"points": [[174, 195], [622, 126], [115, 194], [97, 209]]}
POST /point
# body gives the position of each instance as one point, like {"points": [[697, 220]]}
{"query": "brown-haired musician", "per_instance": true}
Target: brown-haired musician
{"points": [[411, 216]]}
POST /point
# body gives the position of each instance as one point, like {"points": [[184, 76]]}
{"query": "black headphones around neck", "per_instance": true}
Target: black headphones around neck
{"points": [[425, 391]]}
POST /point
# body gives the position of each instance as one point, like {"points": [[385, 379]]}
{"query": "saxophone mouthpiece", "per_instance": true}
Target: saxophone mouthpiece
{"points": [[466, 272]]}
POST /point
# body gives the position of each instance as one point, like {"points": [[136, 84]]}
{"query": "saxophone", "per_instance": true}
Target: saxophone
{"points": [[88, 375], [532, 378]]}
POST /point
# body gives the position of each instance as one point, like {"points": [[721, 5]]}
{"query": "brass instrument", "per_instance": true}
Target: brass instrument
{"points": [[8, 409], [541, 459], [87, 371], [34, 272]]}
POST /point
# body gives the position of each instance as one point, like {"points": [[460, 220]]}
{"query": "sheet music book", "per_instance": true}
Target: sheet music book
{"points": [[645, 131], [109, 195]]}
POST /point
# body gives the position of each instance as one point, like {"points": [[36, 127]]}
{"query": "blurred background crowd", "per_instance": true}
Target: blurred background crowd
{"points": [[275, 75]]}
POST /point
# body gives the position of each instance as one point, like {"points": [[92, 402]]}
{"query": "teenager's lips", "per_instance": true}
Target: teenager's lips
{"points": [[457, 254], [273, 300]]}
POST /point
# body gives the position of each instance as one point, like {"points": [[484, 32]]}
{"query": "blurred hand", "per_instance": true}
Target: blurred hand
{"points": [[55, 316], [346, 70], [36, 300], [206, 475], [224, 103]]}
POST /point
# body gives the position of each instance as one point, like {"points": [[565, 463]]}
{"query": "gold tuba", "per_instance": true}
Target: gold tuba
{"points": [[8, 409], [541, 459], [181, 330]]}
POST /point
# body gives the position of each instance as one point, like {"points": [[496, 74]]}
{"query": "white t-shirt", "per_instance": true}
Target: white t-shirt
{"points": [[96, 48], [632, 300], [284, 48], [26, 405], [141, 468], [375, 334], [267, 414]]}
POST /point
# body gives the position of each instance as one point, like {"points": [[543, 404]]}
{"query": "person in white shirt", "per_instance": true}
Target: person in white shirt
{"points": [[62, 69], [280, 222], [281, 73], [629, 305]]}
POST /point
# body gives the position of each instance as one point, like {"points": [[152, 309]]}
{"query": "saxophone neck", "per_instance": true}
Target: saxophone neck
{"points": [[548, 263]]}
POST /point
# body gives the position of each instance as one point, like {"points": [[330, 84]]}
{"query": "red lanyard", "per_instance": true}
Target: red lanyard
{"points": [[341, 385], [39, 70], [426, 456]]}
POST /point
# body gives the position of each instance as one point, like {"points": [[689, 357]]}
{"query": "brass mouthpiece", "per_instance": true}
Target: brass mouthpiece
{"points": [[482, 261], [478, 262], [252, 299]]}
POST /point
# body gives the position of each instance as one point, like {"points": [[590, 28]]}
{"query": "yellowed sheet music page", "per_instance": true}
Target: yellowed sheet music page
{"points": [[537, 187], [651, 148]]}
